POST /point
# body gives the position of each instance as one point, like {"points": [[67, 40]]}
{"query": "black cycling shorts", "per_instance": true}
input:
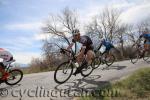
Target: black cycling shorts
{"points": [[90, 47], [2, 65]]}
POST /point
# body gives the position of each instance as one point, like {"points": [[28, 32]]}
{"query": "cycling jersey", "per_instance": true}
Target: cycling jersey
{"points": [[107, 44], [85, 41], [146, 36]]}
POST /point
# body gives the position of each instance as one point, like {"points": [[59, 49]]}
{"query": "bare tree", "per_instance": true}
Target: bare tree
{"points": [[110, 23], [121, 34], [143, 25], [61, 25], [35, 65], [106, 24], [134, 31]]}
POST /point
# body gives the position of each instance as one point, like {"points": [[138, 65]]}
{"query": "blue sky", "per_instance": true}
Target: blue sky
{"points": [[21, 20]]}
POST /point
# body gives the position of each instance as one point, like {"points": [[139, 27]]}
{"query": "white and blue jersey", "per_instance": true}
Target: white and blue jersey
{"points": [[107, 44], [147, 37]]}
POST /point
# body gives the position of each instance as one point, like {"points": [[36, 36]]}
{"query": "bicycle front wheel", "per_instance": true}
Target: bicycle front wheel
{"points": [[87, 71], [15, 77], [63, 72], [96, 62]]}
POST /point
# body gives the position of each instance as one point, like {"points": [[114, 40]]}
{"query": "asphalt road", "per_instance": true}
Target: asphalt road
{"points": [[41, 86]]}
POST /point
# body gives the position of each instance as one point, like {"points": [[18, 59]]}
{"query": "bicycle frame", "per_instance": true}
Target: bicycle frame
{"points": [[9, 66]]}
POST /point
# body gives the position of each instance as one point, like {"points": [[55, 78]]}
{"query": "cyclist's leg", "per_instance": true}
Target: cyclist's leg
{"points": [[5, 74], [84, 59], [90, 56], [107, 53], [2, 69], [79, 58], [146, 47]]}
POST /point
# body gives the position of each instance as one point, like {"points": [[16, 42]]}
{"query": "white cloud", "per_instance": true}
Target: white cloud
{"points": [[136, 14], [95, 8], [122, 5], [41, 36], [18, 42], [22, 48], [24, 26], [25, 57], [132, 12]]}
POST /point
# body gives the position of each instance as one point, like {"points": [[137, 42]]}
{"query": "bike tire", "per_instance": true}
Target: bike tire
{"points": [[96, 62], [109, 63], [87, 74], [59, 68], [146, 56], [11, 72], [134, 57]]}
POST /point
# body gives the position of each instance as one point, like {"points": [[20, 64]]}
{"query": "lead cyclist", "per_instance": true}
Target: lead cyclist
{"points": [[86, 52]]}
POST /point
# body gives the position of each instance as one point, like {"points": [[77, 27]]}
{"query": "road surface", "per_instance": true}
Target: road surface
{"points": [[41, 86]]}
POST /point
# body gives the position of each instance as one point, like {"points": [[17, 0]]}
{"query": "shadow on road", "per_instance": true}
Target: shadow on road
{"points": [[148, 62], [88, 84], [10, 87], [117, 67]]}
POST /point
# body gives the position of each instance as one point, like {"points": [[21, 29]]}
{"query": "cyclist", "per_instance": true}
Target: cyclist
{"points": [[7, 57], [146, 36], [86, 50], [108, 45]]}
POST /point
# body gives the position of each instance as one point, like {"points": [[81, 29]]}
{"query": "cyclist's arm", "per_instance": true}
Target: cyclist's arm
{"points": [[82, 51], [141, 36], [99, 46], [70, 46]]}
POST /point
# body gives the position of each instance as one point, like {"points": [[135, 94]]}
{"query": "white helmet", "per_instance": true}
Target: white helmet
{"points": [[75, 31]]}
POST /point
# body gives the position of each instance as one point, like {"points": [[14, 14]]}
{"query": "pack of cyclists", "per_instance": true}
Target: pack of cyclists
{"points": [[86, 52], [87, 49]]}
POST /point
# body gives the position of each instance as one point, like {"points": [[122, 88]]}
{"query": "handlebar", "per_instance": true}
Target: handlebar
{"points": [[62, 50], [70, 55], [65, 51]]}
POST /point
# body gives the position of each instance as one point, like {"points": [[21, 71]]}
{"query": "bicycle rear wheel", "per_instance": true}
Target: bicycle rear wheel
{"points": [[146, 56], [109, 59], [63, 72]]}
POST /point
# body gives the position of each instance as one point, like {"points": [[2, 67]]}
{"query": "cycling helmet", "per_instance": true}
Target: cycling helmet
{"points": [[75, 31]]}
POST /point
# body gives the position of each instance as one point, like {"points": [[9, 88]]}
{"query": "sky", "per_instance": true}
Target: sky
{"points": [[21, 20]]}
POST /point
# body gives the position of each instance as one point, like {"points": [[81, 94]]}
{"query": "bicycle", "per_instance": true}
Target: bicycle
{"points": [[12, 79], [136, 54], [103, 58], [66, 68]]}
